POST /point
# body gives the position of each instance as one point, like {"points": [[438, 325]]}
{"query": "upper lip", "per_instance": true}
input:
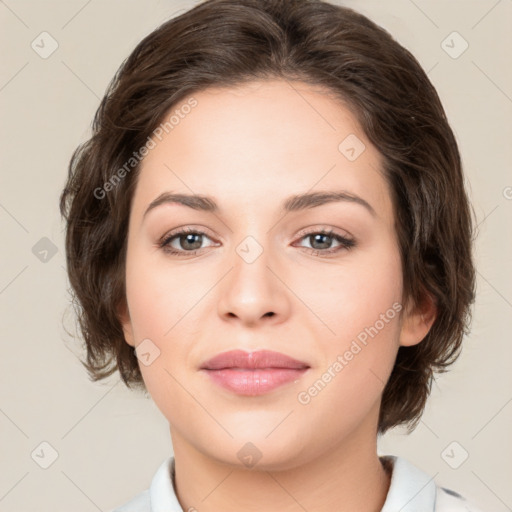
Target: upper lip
{"points": [[252, 360]]}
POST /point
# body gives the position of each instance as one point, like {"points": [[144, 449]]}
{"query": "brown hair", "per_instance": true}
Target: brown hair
{"points": [[229, 42]]}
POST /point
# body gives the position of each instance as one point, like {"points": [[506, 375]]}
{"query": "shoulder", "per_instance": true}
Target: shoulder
{"points": [[140, 503], [451, 501]]}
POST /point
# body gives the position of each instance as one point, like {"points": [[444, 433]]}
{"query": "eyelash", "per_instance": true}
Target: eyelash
{"points": [[346, 243]]}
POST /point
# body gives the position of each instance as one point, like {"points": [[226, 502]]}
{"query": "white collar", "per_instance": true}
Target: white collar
{"points": [[161, 492], [410, 490]]}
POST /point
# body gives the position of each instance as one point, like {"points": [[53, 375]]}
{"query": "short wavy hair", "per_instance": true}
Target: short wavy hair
{"points": [[225, 43]]}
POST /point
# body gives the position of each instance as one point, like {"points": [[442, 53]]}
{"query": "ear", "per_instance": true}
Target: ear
{"points": [[417, 321], [125, 320]]}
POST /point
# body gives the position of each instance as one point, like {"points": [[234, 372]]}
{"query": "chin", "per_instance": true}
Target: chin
{"points": [[252, 449]]}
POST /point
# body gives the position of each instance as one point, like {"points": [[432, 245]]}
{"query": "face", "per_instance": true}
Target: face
{"points": [[250, 268]]}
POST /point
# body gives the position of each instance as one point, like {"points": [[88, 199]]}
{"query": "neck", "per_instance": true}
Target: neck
{"points": [[349, 477]]}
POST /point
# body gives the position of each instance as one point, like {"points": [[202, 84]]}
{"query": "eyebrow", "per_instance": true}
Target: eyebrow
{"points": [[294, 203]]}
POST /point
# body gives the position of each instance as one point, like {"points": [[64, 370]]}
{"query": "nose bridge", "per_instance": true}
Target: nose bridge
{"points": [[252, 291]]}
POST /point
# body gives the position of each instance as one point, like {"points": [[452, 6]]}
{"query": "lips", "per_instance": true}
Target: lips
{"points": [[253, 373], [262, 359]]}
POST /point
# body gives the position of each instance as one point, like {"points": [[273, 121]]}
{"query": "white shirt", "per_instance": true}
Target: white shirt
{"points": [[410, 490]]}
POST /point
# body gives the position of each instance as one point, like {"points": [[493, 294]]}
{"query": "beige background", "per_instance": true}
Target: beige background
{"points": [[109, 441]]}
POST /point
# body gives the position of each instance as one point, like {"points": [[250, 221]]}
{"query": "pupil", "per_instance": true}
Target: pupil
{"points": [[325, 245], [189, 239]]}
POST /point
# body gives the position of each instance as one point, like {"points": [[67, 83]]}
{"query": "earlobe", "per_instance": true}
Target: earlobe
{"points": [[418, 322], [124, 319]]}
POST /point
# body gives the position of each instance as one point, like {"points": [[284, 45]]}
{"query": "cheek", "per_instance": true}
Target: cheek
{"points": [[355, 369], [361, 305], [165, 305], [162, 312], [354, 295], [160, 297]]}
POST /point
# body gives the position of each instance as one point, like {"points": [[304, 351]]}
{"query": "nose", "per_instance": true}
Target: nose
{"points": [[254, 292]]}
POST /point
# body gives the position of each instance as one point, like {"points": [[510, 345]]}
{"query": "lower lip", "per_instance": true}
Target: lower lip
{"points": [[254, 382]]}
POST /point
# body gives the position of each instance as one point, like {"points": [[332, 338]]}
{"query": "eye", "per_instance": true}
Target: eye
{"points": [[188, 242], [322, 240]]}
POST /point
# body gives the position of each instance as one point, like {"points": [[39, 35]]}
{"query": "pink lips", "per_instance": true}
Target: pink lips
{"points": [[253, 373]]}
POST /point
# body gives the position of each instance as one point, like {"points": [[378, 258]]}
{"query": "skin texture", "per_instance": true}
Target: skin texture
{"points": [[250, 148]]}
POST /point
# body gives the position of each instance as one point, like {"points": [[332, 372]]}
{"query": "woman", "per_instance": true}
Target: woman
{"points": [[268, 231]]}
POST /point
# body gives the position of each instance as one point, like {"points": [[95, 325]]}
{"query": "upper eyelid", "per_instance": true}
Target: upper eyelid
{"points": [[184, 230]]}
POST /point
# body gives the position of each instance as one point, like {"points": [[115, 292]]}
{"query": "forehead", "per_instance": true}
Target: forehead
{"points": [[260, 142]]}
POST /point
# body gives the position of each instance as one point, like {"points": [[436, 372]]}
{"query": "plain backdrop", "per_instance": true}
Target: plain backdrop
{"points": [[101, 442]]}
